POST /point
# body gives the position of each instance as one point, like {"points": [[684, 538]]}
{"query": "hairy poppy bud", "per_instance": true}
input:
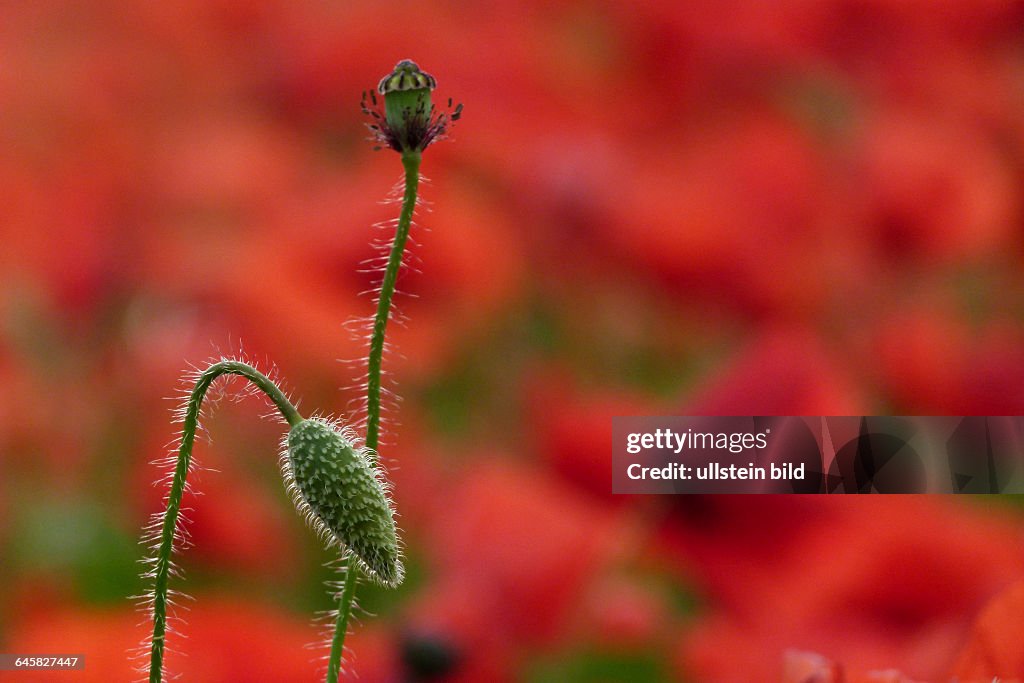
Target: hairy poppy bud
{"points": [[343, 495]]}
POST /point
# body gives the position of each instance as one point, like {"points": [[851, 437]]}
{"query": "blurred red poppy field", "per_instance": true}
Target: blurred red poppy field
{"points": [[809, 207]]}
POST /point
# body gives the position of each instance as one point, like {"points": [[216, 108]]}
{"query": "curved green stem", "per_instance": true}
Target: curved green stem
{"points": [[411, 162], [188, 436]]}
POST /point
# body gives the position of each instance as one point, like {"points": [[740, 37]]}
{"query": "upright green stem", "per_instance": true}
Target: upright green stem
{"points": [[411, 162], [188, 436]]}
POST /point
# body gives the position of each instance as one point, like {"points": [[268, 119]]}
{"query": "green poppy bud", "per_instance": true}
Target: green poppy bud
{"points": [[343, 495]]}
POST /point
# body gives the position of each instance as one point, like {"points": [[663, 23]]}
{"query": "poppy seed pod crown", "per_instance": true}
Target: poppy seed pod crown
{"points": [[410, 122]]}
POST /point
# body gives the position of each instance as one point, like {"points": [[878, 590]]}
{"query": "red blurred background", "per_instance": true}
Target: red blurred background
{"points": [[803, 207]]}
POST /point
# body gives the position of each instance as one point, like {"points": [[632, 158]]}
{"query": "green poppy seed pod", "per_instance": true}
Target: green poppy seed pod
{"points": [[406, 92], [343, 495]]}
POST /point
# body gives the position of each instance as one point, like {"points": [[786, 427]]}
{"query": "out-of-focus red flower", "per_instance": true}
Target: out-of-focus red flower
{"points": [[468, 266], [238, 524], [226, 641], [885, 582], [232, 641], [936, 191], [467, 620], [370, 655], [745, 215], [574, 429], [993, 383], [932, 362], [721, 542], [104, 638], [806, 667], [417, 469], [523, 544], [719, 651], [43, 434], [231, 166], [619, 615], [231, 519], [312, 270], [994, 647], [783, 372], [919, 358]]}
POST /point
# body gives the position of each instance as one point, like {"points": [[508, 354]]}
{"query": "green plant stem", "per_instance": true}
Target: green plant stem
{"points": [[188, 436], [411, 162]]}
